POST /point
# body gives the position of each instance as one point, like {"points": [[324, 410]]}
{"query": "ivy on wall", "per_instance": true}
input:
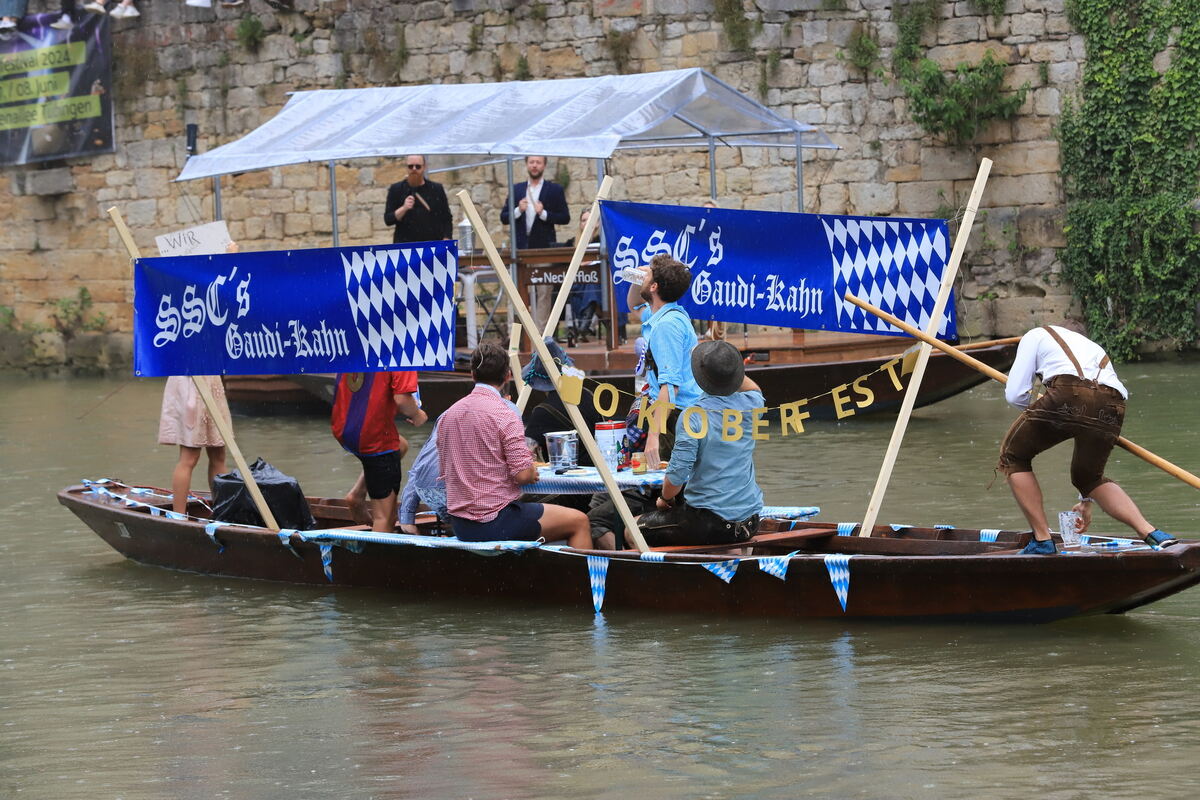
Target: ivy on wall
{"points": [[1131, 172], [954, 106]]}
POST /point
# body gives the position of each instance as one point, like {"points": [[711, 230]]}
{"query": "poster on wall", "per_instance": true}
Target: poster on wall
{"points": [[55, 89]]}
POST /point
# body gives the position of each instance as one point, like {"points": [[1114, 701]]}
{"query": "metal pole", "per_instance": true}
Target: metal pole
{"points": [[512, 243], [712, 169], [799, 176], [333, 203], [217, 197]]}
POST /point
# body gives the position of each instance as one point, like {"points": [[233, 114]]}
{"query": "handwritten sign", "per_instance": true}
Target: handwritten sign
{"points": [[202, 240]]}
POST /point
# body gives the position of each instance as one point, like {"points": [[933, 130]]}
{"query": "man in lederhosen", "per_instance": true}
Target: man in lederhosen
{"points": [[1084, 401]]}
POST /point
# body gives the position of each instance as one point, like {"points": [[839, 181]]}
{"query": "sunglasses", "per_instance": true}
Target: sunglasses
{"points": [[415, 166]]}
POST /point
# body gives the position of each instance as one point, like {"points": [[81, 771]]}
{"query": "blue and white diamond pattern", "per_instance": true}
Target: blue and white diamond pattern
{"points": [[597, 575], [896, 265], [838, 565], [327, 560], [989, 534], [401, 299], [776, 566], [723, 569]]}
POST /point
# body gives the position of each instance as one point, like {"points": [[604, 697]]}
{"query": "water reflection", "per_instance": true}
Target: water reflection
{"points": [[127, 681]]}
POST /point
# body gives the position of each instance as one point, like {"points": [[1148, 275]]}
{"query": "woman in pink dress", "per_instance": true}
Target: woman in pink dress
{"points": [[186, 422]]}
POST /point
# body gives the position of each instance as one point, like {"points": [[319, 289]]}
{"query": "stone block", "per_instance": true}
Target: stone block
{"points": [[1023, 158], [962, 29], [140, 213], [619, 8], [1041, 226], [854, 170], [297, 224], [47, 349], [1028, 25], [947, 163], [833, 198], [923, 198], [873, 199], [151, 183], [951, 55], [1026, 190], [47, 182], [1047, 102]]}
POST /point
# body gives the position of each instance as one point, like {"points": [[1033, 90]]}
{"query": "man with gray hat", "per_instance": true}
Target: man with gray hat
{"points": [[713, 458]]}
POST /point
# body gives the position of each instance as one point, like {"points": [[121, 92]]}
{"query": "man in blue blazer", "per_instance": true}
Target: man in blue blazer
{"points": [[539, 205]]}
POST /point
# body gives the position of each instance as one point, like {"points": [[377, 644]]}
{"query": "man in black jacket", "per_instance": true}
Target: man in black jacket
{"points": [[539, 205], [418, 207]]}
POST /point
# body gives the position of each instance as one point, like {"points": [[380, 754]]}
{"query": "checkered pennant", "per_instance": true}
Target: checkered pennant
{"points": [[846, 528], [776, 566], [943, 527], [327, 560], [838, 565], [723, 569], [597, 574], [650, 555], [401, 299], [211, 530], [988, 535], [895, 265]]}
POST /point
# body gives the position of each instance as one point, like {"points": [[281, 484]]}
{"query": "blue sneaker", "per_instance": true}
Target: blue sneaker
{"points": [[1159, 539], [1036, 548]]}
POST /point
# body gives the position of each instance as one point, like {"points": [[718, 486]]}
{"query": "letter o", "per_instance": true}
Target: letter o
{"points": [[611, 408], [687, 427]]}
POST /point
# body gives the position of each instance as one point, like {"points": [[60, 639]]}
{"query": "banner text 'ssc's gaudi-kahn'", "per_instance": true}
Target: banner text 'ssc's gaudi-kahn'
{"points": [[788, 269], [340, 309]]}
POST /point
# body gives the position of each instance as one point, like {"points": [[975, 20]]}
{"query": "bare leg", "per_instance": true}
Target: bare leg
{"points": [[356, 501], [607, 542], [1028, 493], [383, 513], [1120, 506], [559, 522], [181, 478], [216, 465]]}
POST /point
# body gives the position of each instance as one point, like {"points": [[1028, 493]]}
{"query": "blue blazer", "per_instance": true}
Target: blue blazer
{"points": [[553, 199]]}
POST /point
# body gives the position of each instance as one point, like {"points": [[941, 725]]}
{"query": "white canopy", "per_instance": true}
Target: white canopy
{"points": [[485, 122]]}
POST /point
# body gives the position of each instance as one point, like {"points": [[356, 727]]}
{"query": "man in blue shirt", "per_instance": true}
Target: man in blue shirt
{"points": [[722, 499], [669, 341]]}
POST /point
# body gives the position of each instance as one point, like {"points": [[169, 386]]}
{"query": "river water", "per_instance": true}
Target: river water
{"points": [[123, 681]]}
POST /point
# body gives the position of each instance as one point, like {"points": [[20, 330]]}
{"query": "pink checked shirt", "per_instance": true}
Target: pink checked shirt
{"points": [[481, 448]]}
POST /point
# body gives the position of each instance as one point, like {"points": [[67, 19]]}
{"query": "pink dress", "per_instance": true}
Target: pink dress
{"points": [[184, 419]]}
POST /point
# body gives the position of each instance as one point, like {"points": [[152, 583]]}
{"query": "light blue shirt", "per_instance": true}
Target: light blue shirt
{"points": [[719, 474], [670, 337]]}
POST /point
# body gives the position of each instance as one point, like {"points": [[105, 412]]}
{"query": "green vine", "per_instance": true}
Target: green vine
{"points": [[954, 106], [737, 26], [1131, 172], [251, 33]]}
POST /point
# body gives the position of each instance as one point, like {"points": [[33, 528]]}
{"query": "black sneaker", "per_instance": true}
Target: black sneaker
{"points": [[1158, 539], [1036, 548]]}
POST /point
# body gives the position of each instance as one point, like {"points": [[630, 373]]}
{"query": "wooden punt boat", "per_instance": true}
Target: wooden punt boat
{"points": [[897, 574]]}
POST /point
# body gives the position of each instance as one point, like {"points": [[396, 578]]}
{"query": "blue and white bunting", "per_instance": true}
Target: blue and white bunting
{"points": [[776, 566], [651, 555], [723, 569], [327, 560], [989, 535], [597, 575], [211, 530], [838, 565], [846, 528]]}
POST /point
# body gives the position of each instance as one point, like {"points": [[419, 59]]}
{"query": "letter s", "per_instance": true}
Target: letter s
{"points": [[167, 321]]}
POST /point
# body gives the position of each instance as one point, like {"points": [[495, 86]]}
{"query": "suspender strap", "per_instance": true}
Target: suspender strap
{"points": [[1103, 364], [1074, 361]]}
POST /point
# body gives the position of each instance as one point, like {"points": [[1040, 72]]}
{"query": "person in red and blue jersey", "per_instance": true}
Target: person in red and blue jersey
{"points": [[364, 423]]}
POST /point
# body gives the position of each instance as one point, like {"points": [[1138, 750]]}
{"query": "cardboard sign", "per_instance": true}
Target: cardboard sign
{"points": [[202, 240]]}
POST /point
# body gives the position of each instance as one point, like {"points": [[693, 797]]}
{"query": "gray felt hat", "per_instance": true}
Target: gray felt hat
{"points": [[718, 367]]}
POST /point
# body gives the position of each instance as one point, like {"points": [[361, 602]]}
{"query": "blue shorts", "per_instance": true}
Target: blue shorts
{"points": [[516, 521]]}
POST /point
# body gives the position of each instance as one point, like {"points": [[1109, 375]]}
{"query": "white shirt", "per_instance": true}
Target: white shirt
{"points": [[1038, 353], [533, 192]]}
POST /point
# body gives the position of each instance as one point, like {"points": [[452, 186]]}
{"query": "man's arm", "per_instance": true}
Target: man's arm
{"points": [[508, 203], [393, 202], [633, 297], [406, 404], [1020, 377], [683, 461], [517, 457], [408, 503], [441, 213]]}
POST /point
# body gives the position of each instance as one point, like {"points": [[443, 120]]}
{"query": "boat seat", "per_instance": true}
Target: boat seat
{"points": [[780, 538]]}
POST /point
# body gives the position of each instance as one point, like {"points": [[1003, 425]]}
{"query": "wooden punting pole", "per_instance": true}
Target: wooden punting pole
{"points": [[918, 373], [219, 420], [539, 346], [1139, 451], [564, 290]]}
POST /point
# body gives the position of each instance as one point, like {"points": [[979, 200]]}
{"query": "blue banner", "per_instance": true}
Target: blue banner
{"points": [[791, 270], [341, 309]]}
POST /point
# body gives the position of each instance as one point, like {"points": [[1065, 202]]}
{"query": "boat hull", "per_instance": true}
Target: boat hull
{"points": [[890, 579]]}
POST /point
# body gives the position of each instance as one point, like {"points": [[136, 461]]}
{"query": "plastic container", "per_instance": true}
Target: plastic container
{"points": [[609, 437], [1068, 526], [562, 447], [632, 275]]}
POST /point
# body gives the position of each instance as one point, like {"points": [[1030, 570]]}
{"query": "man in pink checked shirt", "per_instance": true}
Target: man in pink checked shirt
{"points": [[485, 462]]}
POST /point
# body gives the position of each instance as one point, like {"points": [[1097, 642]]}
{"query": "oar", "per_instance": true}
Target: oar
{"points": [[1139, 451]]}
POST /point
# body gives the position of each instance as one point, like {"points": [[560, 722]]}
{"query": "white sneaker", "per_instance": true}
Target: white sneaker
{"points": [[95, 8], [198, 3], [7, 26], [118, 12], [130, 11], [63, 23]]}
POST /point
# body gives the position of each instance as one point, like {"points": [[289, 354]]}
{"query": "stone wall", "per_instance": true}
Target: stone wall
{"points": [[177, 65]]}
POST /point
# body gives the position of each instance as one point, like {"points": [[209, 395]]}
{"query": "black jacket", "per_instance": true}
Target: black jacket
{"points": [[553, 199], [419, 224]]}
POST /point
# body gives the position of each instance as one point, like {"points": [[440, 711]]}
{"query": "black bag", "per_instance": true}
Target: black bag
{"points": [[232, 501]]}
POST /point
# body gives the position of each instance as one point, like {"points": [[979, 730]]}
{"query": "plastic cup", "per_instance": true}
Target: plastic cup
{"points": [[563, 447], [1068, 526]]}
